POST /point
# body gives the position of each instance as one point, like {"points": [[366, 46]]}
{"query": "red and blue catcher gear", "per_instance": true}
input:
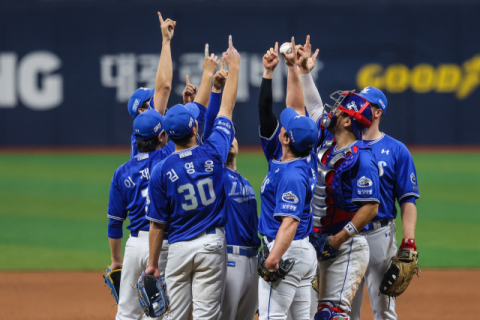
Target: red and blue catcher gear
{"points": [[354, 105], [346, 178], [326, 310]]}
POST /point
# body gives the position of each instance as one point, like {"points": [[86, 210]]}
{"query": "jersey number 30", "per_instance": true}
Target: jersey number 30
{"points": [[191, 202]]}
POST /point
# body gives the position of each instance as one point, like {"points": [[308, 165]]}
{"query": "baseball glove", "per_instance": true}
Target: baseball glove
{"points": [[152, 295], [112, 279], [284, 266], [399, 273], [321, 245], [315, 284]]}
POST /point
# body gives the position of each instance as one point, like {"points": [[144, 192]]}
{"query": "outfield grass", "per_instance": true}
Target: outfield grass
{"points": [[53, 208]]}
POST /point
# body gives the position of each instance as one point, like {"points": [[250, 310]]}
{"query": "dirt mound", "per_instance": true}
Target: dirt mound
{"points": [[437, 294]]}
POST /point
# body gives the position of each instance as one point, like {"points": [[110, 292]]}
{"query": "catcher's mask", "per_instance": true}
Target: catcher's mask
{"points": [[355, 106]]}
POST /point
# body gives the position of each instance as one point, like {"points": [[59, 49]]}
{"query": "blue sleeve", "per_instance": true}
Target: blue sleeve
{"points": [[212, 112], [406, 199], [365, 180], [271, 145], [133, 150], [201, 115], [156, 203], [117, 209], [406, 182], [220, 140], [115, 229], [290, 195]]}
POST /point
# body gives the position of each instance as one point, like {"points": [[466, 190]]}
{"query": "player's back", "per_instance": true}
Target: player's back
{"points": [[186, 189], [130, 188], [398, 177], [241, 207]]}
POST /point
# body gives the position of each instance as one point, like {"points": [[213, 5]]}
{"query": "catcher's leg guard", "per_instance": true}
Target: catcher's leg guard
{"points": [[327, 311]]}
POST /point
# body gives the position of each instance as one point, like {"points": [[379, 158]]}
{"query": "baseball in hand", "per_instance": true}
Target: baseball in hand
{"points": [[286, 48]]}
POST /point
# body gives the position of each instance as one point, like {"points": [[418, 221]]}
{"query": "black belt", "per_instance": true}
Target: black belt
{"points": [[135, 234], [211, 230]]}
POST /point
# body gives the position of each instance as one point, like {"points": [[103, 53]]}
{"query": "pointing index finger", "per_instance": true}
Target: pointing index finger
{"points": [[206, 51], [230, 42], [160, 16], [223, 64], [188, 80], [276, 47]]}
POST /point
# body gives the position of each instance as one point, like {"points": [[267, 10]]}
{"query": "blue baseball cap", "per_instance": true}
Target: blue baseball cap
{"points": [[137, 99], [373, 95], [148, 124], [301, 130], [180, 120]]}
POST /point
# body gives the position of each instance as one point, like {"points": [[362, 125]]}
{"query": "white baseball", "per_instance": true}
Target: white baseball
{"points": [[286, 48]]}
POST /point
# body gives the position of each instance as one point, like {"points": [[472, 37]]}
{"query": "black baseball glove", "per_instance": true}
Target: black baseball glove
{"points": [[284, 266], [112, 279]]}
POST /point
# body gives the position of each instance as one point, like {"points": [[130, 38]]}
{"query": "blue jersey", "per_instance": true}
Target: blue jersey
{"points": [[201, 116], [286, 191], [128, 190], [186, 190], [398, 177], [241, 205]]}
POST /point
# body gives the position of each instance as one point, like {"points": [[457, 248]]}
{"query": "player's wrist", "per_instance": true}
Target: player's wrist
{"points": [[216, 90], [408, 244], [304, 70], [268, 73]]}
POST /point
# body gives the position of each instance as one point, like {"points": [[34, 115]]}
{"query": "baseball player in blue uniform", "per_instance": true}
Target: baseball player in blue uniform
{"points": [[187, 192], [287, 191], [240, 300], [346, 196], [128, 193], [398, 181], [144, 98]]}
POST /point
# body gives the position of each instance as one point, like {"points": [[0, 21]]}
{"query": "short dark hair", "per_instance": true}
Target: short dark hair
{"points": [[376, 107], [182, 141], [148, 145], [296, 152]]}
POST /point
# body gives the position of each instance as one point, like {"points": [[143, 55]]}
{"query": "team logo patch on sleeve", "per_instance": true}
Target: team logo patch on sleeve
{"points": [[364, 182], [289, 197], [413, 179]]}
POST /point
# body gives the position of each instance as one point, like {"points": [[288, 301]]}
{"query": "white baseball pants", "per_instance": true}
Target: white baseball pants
{"points": [[383, 246], [135, 261], [339, 277], [294, 292], [195, 273], [240, 300]]}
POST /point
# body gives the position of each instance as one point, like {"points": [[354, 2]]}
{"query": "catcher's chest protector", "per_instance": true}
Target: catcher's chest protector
{"points": [[328, 196]]}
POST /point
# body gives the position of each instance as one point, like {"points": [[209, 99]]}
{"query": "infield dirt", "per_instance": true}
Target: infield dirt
{"points": [[437, 294]]}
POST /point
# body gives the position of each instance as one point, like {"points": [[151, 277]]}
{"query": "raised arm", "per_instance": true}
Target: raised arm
{"points": [[294, 98], [189, 92], [306, 63], [219, 80], [232, 59], [268, 120], [163, 81], [209, 67]]}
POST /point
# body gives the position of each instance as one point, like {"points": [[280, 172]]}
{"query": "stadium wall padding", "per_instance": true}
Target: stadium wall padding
{"points": [[67, 68]]}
